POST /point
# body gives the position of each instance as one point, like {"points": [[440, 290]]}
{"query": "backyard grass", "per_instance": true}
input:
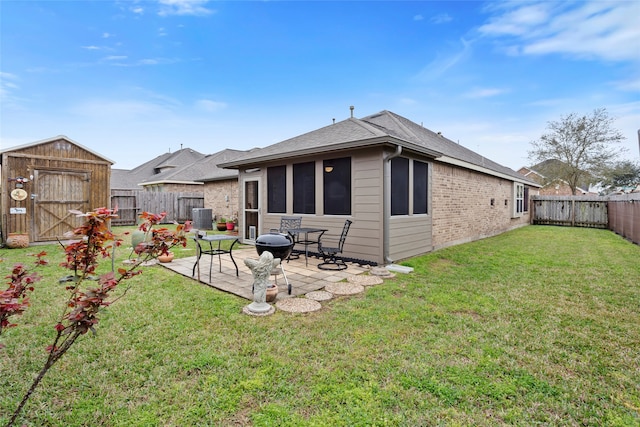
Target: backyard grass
{"points": [[538, 326]]}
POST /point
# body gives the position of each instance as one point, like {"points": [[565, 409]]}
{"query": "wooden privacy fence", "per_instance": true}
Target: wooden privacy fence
{"points": [[575, 211], [624, 216], [619, 213], [131, 203]]}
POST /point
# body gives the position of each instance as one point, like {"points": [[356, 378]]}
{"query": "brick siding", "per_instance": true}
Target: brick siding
{"points": [[215, 198], [462, 209]]}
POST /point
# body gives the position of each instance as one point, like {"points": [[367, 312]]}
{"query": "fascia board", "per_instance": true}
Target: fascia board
{"points": [[466, 165], [170, 182], [328, 149]]}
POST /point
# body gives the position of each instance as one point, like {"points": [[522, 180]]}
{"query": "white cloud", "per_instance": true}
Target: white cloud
{"points": [[184, 7], [7, 84], [115, 58], [418, 18], [629, 85], [442, 64], [442, 18], [408, 101], [91, 47], [484, 92], [589, 30], [210, 106], [106, 35], [517, 22]]}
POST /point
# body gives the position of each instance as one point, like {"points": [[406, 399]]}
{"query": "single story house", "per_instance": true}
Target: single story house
{"points": [[408, 190], [169, 172]]}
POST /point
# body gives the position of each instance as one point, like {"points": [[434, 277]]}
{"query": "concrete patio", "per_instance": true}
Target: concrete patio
{"points": [[303, 278]]}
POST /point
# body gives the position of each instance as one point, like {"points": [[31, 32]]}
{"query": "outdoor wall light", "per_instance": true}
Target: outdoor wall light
{"points": [[328, 169]]}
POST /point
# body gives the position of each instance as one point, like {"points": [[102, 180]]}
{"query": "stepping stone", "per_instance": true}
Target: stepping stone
{"points": [[298, 305], [365, 280], [319, 295], [344, 288]]}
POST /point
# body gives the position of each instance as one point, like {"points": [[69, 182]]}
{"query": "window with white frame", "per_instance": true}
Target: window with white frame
{"points": [[520, 202]]}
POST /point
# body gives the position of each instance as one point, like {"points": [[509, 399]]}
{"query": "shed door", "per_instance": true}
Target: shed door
{"points": [[57, 192]]}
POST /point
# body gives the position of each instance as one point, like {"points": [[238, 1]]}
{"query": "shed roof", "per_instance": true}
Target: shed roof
{"points": [[52, 139], [384, 127]]}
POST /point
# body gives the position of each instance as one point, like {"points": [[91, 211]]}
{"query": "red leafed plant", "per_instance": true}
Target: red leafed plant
{"points": [[14, 300], [80, 313]]}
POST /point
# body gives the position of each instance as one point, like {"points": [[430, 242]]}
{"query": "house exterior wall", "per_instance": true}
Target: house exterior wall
{"points": [[558, 189], [411, 235], [222, 197], [365, 235], [462, 209], [169, 187]]}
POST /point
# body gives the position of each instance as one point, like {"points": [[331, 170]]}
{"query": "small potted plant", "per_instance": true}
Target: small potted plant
{"points": [[221, 224]]}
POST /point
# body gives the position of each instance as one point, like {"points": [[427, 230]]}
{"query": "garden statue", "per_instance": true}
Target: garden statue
{"points": [[261, 270]]}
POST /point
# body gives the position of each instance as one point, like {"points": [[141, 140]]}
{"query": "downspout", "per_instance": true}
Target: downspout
{"points": [[386, 196]]}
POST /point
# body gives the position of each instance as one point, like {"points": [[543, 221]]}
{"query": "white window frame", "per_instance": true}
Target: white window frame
{"points": [[518, 200]]}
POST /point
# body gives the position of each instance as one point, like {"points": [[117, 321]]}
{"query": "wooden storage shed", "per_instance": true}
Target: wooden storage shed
{"points": [[44, 180]]}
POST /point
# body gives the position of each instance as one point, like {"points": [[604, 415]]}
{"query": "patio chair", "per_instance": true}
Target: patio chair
{"points": [[289, 223], [329, 253]]}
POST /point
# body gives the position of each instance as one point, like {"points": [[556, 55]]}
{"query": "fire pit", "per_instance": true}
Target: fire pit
{"points": [[279, 244]]}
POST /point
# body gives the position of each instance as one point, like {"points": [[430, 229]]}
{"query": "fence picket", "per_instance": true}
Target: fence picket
{"points": [[619, 213], [131, 203]]}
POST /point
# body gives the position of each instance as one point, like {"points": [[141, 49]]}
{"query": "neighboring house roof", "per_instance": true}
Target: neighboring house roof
{"points": [[384, 127], [545, 171], [209, 170], [121, 180], [55, 138], [161, 168], [204, 169]]}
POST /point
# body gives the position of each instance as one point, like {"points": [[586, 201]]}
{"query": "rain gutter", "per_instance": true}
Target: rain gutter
{"points": [[386, 194]]}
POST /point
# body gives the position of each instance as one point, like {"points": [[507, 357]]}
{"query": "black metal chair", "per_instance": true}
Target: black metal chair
{"points": [[329, 253], [290, 223]]}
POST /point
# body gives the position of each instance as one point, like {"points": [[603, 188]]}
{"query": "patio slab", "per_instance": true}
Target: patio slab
{"points": [[303, 279]]}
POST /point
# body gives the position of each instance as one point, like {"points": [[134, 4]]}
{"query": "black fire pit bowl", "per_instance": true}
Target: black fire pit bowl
{"points": [[279, 244]]}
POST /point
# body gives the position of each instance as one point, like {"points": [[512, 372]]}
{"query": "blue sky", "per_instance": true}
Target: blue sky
{"points": [[134, 79]]}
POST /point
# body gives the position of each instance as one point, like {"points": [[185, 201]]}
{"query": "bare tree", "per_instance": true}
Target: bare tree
{"points": [[582, 144]]}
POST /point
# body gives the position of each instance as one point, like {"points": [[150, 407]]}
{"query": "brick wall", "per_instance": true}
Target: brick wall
{"points": [[462, 209], [177, 188], [222, 198]]}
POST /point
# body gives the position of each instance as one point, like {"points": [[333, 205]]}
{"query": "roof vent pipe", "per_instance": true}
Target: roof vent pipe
{"points": [[386, 191], [351, 108]]}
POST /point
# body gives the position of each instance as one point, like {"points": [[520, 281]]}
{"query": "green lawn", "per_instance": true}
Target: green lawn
{"points": [[538, 326]]}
